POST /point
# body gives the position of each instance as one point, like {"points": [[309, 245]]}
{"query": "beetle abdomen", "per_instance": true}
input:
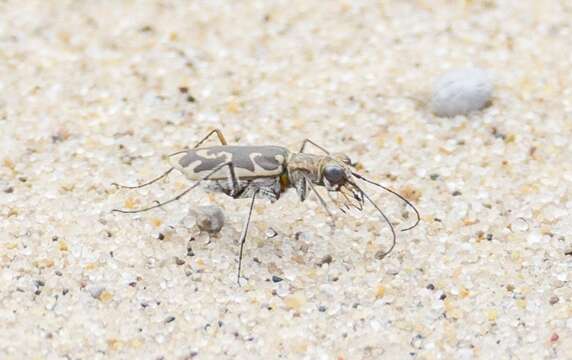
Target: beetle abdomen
{"points": [[249, 161]]}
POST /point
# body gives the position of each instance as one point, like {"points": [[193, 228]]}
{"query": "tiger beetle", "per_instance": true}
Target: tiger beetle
{"points": [[267, 172]]}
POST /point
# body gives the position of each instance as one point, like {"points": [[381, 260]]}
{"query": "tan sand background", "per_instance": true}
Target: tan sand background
{"points": [[93, 92]]}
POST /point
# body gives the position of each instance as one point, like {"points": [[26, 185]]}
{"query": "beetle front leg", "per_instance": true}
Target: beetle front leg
{"points": [[323, 203]]}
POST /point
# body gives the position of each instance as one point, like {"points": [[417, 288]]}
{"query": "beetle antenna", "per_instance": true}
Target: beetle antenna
{"points": [[394, 193], [393, 234], [145, 184]]}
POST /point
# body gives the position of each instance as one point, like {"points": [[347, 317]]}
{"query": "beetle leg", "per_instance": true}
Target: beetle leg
{"points": [[144, 184], [233, 180], [306, 141], [218, 134], [222, 141], [243, 235], [322, 201], [215, 131], [206, 177]]}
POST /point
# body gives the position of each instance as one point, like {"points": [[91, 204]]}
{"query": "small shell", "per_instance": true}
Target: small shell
{"points": [[461, 91]]}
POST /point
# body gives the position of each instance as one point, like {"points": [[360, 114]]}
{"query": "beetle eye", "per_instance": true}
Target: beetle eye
{"points": [[334, 174]]}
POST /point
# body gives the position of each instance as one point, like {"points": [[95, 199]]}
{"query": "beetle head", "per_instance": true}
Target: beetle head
{"points": [[335, 171]]}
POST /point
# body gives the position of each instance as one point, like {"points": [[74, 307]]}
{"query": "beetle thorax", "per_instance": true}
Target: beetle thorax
{"points": [[308, 164]]}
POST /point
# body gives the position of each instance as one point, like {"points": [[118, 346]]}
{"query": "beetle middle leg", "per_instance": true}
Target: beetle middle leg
{"points": [[338, 156], [243, 234], [308, 141]]}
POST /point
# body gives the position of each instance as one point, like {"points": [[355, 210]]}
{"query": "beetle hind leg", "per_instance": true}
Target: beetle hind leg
{"points": [[144, 184], [218, 133], [234, 182]]}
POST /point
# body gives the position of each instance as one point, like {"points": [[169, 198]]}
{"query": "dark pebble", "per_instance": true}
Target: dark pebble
{"points": [[190, 251], [553, 300], [325, 260]]}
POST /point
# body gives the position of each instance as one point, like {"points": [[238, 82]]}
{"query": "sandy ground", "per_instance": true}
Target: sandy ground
{"points": [[93, 92]]}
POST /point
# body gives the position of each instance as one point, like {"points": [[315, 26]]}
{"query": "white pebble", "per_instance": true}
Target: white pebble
{"points": [[461, 91], [534, 237], [95, 291], [209, 218]]}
